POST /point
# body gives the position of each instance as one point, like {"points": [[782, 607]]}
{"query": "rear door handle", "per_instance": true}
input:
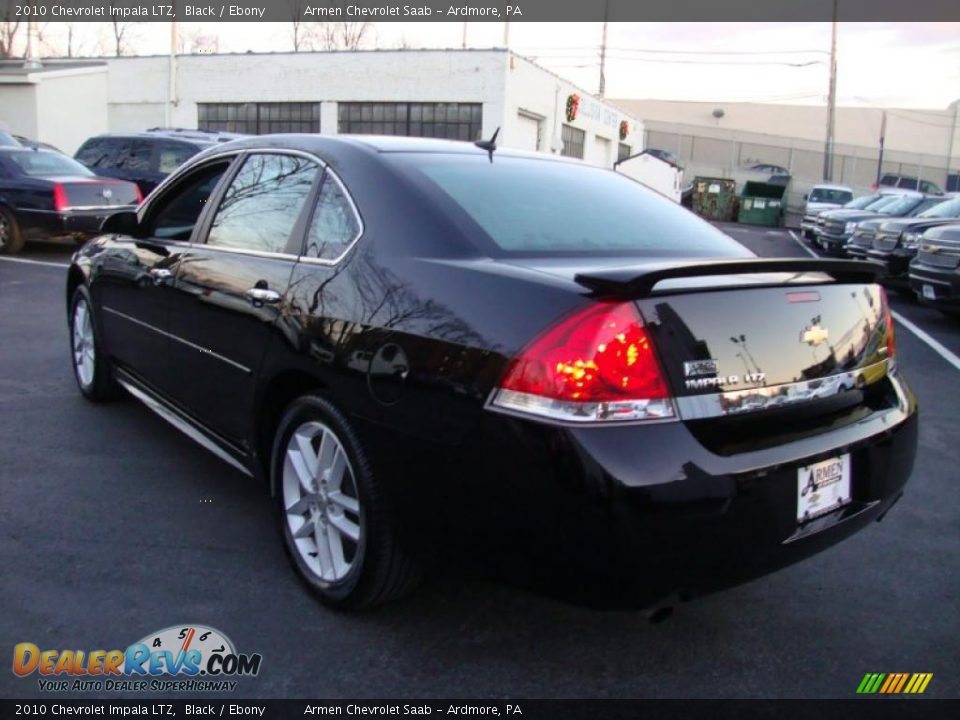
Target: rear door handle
{"points": [[260, 296]]}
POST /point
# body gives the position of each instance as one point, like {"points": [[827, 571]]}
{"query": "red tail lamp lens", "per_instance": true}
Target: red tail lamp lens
{"points": [[59, 198], [600, 355]]}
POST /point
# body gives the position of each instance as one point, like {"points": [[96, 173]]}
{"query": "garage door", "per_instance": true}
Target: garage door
{"points": [[528, 133]]}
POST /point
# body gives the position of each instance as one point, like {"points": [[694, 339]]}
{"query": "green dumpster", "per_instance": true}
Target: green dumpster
{"points": [[714, 198], [761, 204]]}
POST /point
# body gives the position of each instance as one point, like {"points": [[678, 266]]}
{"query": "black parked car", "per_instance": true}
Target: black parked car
{"points": [[45, 195], [835, 227], [896, 241], [146, 158], [423, 345], [933, 272], [865, 230]]}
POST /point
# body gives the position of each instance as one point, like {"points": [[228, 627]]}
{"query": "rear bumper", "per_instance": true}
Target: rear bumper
{"points": [[69, 225], [944, 282], [641, 512]]}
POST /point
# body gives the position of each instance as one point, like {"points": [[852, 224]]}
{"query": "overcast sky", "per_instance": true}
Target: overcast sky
{"points": [[879, 64]]}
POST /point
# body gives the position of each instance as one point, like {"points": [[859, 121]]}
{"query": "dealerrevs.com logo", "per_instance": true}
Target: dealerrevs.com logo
{"points": [[179, 658]]}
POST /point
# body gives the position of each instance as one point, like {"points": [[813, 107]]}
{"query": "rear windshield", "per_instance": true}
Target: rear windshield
{"points": [[47, 164], [825, 195], [543, 207]]}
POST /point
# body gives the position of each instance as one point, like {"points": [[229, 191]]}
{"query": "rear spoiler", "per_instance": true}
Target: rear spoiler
{"points": [[639, 282]]}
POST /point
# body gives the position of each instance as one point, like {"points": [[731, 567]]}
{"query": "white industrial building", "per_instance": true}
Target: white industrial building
{"points": [[465, 94]]}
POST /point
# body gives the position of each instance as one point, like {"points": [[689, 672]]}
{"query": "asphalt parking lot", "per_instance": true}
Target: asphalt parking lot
{"points": [[113, 525]]}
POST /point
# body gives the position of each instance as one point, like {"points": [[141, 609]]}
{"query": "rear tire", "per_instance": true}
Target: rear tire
{"points": [[336, 520], [11, 239], [91, 369]]}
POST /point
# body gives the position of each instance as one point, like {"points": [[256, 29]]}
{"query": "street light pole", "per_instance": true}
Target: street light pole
{"points": [[831, 100], [603, 51]]}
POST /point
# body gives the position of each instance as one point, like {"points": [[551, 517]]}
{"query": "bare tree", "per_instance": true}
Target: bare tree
{"points": [[343, 35], [196, 42], [121, 36], [8, 32], [303, 34]]}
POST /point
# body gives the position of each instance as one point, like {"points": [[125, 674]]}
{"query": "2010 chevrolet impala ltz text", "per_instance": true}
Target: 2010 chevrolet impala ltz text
{"points": [[426, 346]]}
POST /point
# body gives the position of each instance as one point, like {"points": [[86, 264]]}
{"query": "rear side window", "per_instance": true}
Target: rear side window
{"points": [[135, 155], [544, 207], [263, 202], [335, 225], [172, 155], [98, 152]]}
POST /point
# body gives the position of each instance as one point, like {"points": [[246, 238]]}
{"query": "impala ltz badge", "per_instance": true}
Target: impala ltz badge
{"points": [[702, 374], [107, 193]]}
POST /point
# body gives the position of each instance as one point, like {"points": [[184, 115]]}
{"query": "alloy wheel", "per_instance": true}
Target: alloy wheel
{"points": [[321, 502], [84, 350]]}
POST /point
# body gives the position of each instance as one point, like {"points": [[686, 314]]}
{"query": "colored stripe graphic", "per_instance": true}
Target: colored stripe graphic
{"points": [[894, 683]]}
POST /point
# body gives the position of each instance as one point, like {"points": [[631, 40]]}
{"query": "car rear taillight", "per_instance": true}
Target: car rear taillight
{"points": [[139, 195], [595, 366], [888, 320], [59, 198]]}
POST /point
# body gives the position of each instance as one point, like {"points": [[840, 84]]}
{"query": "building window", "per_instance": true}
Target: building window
{"points": [[453, 121], [572, 142], [259, 118], [623, 151]]}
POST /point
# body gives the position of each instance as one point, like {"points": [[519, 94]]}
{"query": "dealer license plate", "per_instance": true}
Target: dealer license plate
{"points": [[929, 293], [823, 487]]}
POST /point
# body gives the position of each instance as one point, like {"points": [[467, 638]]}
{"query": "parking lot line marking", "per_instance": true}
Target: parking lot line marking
{"points": [[934, 344], [800, 242], [34, 262]]}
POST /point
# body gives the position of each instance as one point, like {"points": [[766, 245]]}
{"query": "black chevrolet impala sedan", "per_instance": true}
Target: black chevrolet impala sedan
{"points": [[426, 347]]}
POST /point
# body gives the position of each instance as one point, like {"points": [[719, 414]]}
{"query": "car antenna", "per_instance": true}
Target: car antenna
{"points": [[489, 145]]}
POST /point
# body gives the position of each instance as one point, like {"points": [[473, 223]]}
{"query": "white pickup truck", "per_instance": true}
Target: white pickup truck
{"points": [[822, 197]]}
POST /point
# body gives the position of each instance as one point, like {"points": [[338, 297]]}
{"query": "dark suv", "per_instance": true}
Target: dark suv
{"points": [[145, 158]]}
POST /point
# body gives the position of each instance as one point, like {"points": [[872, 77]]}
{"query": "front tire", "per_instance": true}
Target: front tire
{"points": [[336, 520], [11, 239], [90, 367]]}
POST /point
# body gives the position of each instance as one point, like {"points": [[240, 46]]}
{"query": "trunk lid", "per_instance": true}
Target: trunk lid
{"points": [[97, 193]]}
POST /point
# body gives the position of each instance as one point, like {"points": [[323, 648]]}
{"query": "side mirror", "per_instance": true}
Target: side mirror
{"points": [[122, 223], [806, 197]]}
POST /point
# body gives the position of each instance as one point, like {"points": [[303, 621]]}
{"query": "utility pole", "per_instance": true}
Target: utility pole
{"points": [[464, 36], [506, 34], [831, 100], [883, 136], [171, 75], [603, 51]]}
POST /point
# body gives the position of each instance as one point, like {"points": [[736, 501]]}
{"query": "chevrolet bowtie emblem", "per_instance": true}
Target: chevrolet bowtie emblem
{"points": [[814, 335]]}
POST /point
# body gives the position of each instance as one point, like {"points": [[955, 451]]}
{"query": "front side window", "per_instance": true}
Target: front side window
{"points": [[262, 203], [179, 208], [334, 224]]}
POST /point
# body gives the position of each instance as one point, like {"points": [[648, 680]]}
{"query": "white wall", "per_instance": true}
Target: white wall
{"points": [[18, 109], [71, 108], [535, 90]]}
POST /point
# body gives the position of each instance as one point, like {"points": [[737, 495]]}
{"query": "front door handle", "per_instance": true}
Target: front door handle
{"points": [[260, 296]]}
